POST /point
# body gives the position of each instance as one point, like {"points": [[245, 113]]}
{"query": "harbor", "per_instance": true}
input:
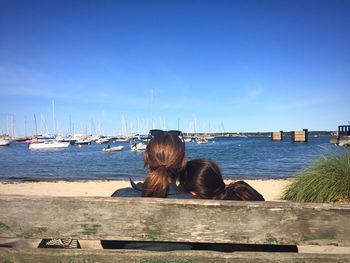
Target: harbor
{"points": [[240, 157]]}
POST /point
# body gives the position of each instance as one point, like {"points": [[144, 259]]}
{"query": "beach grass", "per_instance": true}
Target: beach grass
{"points": [[325, 180]]}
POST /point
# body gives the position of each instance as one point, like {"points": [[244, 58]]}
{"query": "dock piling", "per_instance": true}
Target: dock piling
{"points": [[277, 136], [300, 136]]}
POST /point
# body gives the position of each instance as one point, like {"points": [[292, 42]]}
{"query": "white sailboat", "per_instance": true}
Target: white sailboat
{"points": [[122, 139], [50, 144], [83, 142], [187, 139], [103, 140], [5, 138], [4, 141], [202, 140], [81, 139]]}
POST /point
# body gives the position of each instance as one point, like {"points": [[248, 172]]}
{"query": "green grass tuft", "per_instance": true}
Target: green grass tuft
{"points": [[325, 180]]}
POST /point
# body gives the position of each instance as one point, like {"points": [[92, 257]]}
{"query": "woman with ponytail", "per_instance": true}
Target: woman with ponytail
{"points": [[203, 178], [164, 158]]}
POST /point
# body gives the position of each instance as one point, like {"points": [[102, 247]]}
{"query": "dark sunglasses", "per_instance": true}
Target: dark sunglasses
{"points": [[155, 132]]}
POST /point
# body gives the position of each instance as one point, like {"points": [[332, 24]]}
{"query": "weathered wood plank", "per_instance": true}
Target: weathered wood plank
{"points": [[101, 256], [151, 219]]}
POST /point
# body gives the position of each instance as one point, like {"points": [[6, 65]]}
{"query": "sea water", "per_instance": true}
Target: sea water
{"points": [[245, 158]]}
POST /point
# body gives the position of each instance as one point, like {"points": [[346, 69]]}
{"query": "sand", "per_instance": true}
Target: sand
{"points": [[270, 189]]}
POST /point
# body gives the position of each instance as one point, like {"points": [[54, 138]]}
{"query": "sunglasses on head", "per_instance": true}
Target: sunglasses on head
{"points": [[155, 132]]}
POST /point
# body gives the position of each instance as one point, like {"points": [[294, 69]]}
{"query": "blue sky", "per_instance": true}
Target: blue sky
{"points": [[223, 65]]}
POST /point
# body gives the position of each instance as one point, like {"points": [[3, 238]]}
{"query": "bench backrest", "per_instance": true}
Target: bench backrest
{"points": [[153, 219]]}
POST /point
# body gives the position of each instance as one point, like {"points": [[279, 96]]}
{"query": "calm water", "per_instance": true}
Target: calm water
{"points": [[253, 157]]}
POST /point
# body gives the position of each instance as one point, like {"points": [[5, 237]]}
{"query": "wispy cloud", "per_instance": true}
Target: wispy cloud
{"points": [[254, 93]]}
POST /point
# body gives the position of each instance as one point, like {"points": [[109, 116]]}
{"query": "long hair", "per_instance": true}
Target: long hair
{"points": [[241, 190], [164, 158], [203, 177]]}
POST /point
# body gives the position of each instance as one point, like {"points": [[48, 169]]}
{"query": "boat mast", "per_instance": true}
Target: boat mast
{"points": [[53, 117], [70, 124], [36, 126], [25, 126], [7, 124], [152, 105], [223, 128]]}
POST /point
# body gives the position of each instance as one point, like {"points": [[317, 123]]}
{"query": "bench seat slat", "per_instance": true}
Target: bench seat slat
{"points": [[101, 256], [152, 219]]}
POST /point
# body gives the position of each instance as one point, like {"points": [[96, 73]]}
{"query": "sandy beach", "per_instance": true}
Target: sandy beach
{"points": [[270, 189]]}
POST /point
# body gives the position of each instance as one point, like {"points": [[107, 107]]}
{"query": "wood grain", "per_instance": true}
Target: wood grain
{"points": [[152, 219]]}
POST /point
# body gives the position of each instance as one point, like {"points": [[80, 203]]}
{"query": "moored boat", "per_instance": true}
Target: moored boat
{"points": [[201, 140], [32, 141], [141, 146], [5, 141], [113, 149], [83, 142], [50, 144], [102, 140], [122, 139], [187, 139]]}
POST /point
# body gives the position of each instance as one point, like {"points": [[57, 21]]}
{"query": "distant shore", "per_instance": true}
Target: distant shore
{"points": [[270, 189]]}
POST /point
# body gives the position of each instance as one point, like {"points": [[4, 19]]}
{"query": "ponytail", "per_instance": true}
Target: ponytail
{"points": [[156, 183], [242, 191], [164, 158]]}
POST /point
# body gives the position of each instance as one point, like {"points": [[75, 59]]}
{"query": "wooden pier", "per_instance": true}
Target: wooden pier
{"points": [[300, 136], [296, 136], [277, 136], [342, 137]]}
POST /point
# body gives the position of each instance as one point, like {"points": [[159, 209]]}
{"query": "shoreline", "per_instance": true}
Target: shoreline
{"points": [[77, 180], [271, 189]]}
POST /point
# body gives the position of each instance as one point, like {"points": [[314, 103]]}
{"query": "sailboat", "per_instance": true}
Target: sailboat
{"points": [[49, 144], [202, 140], [5, 141], [102, 140], [189, 139]]}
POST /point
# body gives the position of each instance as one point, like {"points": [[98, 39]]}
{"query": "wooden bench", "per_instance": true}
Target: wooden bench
{"points": [[173, 220]]}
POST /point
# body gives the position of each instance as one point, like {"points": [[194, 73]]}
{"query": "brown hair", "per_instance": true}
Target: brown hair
{"points": [[164, 158], [203, 177]]}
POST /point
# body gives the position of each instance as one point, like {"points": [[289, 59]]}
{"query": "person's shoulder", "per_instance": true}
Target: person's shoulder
{"points": [[133, 191], [126, 192], [175, 192], [182, 195]]}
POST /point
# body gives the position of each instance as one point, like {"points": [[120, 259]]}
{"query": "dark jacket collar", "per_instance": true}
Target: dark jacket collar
{"points": [[173, 190], [135, 186]]}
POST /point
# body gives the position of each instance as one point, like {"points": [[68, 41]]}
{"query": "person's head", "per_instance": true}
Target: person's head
{"points": [[203, 178], [164, 158]]}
